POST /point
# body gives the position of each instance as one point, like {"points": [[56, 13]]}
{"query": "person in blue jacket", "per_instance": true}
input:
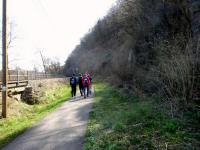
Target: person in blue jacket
{"points": [[73, 85]]}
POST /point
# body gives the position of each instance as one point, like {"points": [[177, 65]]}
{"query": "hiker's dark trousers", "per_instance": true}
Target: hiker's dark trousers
{"points": [[73, 90], [86, 88], [81, 89]]}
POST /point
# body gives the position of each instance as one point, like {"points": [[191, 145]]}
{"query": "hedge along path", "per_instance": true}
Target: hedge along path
{"points": [[60, 130]]}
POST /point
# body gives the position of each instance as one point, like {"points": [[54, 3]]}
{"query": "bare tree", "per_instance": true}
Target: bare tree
{"points": [[43, 61]]}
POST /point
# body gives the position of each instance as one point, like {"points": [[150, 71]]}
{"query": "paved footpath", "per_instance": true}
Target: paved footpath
{"points": [[63, 129]]}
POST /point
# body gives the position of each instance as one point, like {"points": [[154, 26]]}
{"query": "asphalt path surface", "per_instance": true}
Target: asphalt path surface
{"points": [[63, 129]]}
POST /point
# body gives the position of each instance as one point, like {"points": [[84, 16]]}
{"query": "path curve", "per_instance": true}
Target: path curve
{"points": [[63, 129]]}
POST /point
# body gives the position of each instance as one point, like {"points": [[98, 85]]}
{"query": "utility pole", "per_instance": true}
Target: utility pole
{"points": [[4, 61]]}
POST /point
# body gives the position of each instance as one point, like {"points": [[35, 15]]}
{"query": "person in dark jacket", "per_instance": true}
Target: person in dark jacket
{"points": [[80, 83], [73, 85]]}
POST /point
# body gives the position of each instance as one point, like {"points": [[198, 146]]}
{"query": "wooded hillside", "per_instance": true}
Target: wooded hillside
{"points": [[146, 46]]}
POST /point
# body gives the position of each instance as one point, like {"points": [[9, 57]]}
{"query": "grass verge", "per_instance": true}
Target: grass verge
{"points": [[126, 123], [15, 125]]}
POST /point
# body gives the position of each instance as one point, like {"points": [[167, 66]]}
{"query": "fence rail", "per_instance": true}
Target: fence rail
{"points": [[18, 78]]}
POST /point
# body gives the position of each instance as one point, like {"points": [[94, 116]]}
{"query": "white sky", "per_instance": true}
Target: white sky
{"points": [[51, 26]]}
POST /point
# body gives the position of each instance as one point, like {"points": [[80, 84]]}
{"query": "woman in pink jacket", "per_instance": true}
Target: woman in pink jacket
{"points": [[86, 85]]}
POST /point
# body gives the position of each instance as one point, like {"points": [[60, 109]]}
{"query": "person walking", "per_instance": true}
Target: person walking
{"points": [[90, 83], [86, 83], [80, 83], [73, 85]]}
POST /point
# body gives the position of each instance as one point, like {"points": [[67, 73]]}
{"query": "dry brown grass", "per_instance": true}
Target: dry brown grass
{"points": [[16, 107]]}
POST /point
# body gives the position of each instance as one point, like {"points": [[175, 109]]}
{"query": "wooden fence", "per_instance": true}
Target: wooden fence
{"points": [[18, 78]]}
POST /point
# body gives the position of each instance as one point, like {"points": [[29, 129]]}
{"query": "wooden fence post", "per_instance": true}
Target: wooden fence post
{"points": [[17, 77], [35, 75], [27, 76]]}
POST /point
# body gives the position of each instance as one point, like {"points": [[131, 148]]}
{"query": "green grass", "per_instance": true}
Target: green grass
{"points": [[126, 123], [13, 126]]}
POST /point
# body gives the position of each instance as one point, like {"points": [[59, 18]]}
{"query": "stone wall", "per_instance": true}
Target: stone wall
{"points": [[36, 89]]}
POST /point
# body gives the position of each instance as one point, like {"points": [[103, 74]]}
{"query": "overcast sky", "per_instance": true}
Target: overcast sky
{"points": [[51, 26]]}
